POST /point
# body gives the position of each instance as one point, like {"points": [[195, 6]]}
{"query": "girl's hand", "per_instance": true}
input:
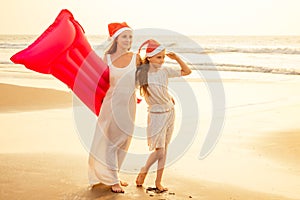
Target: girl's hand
{"points": [[172, 55], [185, 70]]}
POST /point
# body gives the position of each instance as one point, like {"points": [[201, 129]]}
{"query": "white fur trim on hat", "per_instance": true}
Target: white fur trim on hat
{"points": [[118, 32], [156, 51]]}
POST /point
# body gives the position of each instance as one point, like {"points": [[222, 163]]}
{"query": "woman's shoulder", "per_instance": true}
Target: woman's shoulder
{"points": [[129, 55], [138, 59], [104, 58]]}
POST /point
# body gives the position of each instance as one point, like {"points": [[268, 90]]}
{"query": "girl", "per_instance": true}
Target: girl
{"points": [[153, 81], [116, 119]]}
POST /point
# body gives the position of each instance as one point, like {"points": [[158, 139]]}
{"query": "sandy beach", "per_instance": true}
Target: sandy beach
{"points": [[257, 156]]}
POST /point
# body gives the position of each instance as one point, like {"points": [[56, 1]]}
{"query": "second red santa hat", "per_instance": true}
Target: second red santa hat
{"points": [[153, 47]]}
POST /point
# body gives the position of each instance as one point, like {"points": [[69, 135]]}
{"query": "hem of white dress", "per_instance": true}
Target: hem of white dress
{"points": [[105, 183]]}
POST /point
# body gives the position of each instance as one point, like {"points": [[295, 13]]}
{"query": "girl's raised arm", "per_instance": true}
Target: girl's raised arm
{"points": [[185, 70]]}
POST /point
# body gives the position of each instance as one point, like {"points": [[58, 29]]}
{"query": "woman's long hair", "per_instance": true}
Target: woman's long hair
{"points": [[113, 47], [142, 77]]}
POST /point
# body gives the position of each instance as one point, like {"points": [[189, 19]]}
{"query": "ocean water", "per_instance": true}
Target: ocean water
{"points": [[267, 54]]}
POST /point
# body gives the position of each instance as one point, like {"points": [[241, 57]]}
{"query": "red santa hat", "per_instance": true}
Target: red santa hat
{"points": [[116, 29], [153, 47]]}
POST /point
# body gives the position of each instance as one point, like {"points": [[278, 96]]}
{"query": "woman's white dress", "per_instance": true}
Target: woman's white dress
{"points": [[115, 125]]}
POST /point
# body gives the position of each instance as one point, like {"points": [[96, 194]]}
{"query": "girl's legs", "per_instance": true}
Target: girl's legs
{"points": [[154, 156], [160, 169], [158, 155]]}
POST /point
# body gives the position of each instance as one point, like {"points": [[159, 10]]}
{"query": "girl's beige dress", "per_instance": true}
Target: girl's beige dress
{"points": [[161, 114], [115, 125]]}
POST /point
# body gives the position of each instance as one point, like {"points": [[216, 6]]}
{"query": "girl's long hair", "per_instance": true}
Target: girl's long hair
{"points": [[142, 77]]}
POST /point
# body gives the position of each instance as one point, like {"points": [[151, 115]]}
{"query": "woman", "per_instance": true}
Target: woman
{"points": [[116, 119]]}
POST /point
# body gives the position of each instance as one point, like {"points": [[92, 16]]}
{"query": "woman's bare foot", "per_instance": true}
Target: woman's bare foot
{"points": [[160, 187], [116, 188], [140, 178], [123, 183]]}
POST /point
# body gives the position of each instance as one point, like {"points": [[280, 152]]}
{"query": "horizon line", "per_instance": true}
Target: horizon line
{"points": [[189, 35]]}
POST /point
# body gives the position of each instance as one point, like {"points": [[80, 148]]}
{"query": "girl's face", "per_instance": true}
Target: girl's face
{"points": [[157, 60], [124, 40]]}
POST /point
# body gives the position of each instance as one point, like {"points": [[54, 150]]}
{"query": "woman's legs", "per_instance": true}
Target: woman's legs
{"points": [[117, 188], [117, 151], [118, 155]]}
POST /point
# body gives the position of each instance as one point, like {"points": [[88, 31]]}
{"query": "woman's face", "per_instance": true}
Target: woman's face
{"points": [[124, 40], [158, 59]]}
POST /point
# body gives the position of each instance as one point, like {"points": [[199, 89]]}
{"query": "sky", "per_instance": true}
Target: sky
{"points": [[190, 17]]}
